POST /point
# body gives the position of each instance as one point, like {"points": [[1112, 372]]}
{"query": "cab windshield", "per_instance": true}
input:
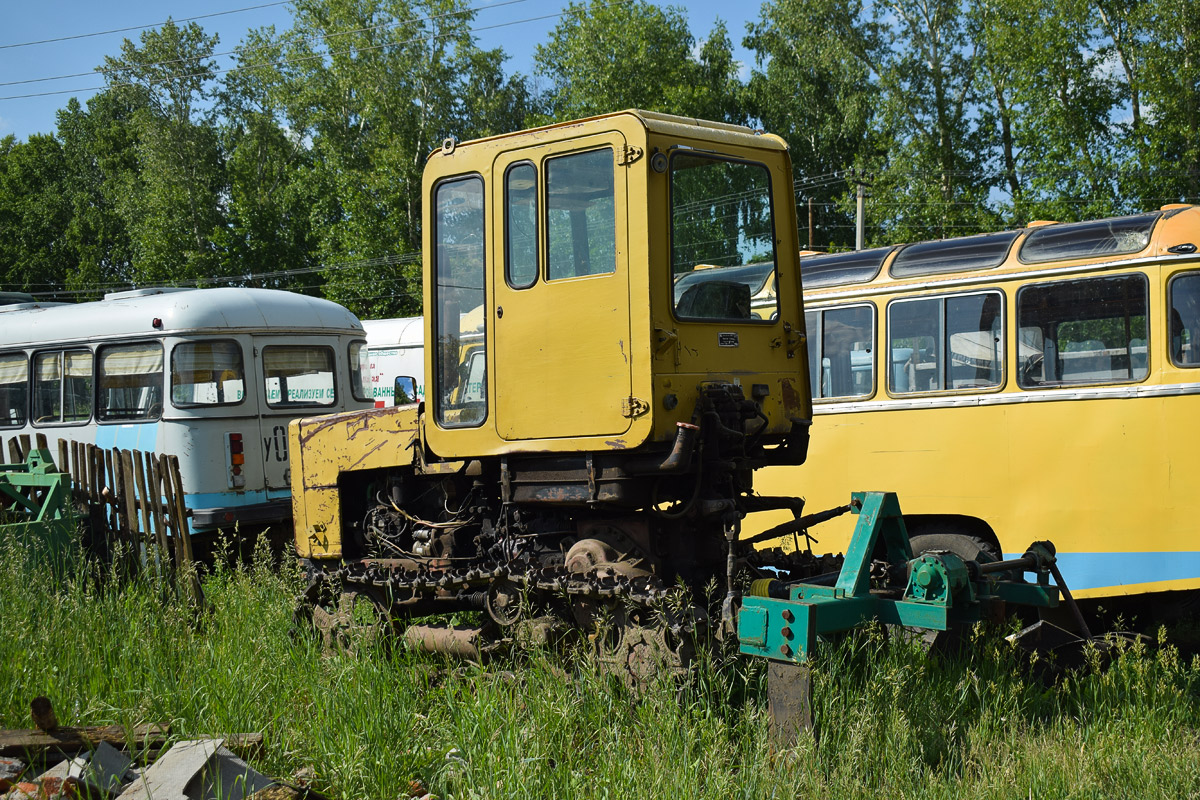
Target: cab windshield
{"points": [[722, 239]]}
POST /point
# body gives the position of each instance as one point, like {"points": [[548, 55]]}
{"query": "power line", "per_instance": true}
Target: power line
{"points": [[315, 57], [316, 37], [141, 27]]}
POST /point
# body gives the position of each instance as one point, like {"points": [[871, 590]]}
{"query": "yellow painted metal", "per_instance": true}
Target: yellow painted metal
{"points": [[580, 364], [323, 448], [584, 364], [1105, 471]]}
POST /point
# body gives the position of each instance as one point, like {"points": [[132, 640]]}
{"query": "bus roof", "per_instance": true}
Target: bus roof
{"points": [[12, 298], [1168, 231], [400, 331], [180, 311]]}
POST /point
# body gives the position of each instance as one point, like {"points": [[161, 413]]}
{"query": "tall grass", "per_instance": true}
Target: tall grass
{"points": [[892, 721]]}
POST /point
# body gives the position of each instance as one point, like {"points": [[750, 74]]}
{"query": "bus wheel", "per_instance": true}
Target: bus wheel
{"points": [[965, 546]]}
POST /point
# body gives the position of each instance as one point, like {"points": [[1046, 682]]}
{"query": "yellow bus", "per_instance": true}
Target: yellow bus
{"points": [[1041, 383]]}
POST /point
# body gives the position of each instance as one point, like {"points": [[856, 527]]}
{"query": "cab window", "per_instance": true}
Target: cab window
{"points": [[520, 221], [722, 239], [459, 357], [581, 216]]}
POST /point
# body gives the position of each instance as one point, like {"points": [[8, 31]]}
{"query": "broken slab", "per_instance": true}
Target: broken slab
{"points": [[200, 769], [105, 771], [11, 770]]}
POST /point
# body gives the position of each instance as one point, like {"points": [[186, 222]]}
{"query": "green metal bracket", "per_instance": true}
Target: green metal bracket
{"points": [[938, 589], [35, 502]]}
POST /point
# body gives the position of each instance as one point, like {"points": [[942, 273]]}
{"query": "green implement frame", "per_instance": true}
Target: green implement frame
{"points": [[35, 502], [880, 580]]}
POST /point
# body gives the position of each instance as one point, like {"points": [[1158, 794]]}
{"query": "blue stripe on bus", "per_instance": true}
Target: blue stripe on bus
{"points": [[225, 499], [1098, 570]]}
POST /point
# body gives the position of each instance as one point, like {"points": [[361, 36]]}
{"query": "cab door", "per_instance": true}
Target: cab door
{"points": [[561, 311]]}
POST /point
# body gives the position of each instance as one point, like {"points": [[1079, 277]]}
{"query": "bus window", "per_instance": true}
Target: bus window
{"points": [[1185, 320], [208, 373], [130, 378], [47, 388], [299, 375], [1083, 331], [975, 335], [915, 331], [945, 343], [14, 389], [56, 400], [841, 364]]}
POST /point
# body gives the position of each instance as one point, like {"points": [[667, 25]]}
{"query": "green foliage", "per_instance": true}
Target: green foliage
{"points": [[301, 168], [893, 721], [35, 211], [606, 56], [171, 206]]}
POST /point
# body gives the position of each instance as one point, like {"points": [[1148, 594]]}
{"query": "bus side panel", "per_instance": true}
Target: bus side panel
{"points": [[326, 449], [1084, 474], [389, 363]]}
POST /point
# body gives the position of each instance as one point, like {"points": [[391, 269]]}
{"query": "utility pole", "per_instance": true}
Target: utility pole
{"points": [[861, 183], [810, 224]]}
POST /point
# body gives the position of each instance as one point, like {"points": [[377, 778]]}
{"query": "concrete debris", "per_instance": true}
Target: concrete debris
{"points": [[92, 763], [201, 769], [106, 770], [11, 770]]}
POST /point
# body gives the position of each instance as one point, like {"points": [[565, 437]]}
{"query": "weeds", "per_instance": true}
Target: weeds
{"points": [[892, 720]]}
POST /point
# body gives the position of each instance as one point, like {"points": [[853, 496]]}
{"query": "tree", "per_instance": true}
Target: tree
{"points": [[817, 91], [1050, 72], [604, 57], [35, 254], [365, 90], [1171, 157], [174, 214]]}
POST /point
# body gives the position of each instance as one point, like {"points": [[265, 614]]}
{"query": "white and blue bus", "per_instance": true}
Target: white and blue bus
{"points": [[212, 376]]}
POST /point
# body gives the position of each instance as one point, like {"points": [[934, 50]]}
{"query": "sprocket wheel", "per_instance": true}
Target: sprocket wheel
{"points": [[638, 653]]}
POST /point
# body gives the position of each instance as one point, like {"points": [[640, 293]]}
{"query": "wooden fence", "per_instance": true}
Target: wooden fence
{"points": [[132, 497]]}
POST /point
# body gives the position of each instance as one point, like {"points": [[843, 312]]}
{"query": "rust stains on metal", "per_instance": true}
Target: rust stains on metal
{"points": [[791, 398]]}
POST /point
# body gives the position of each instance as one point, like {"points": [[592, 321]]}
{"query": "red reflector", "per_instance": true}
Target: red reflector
{"points": [[229, 516], [236, 470], [156, 322]]}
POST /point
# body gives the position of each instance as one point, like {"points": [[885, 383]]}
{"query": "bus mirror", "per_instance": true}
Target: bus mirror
{"points": [[406, 390]]}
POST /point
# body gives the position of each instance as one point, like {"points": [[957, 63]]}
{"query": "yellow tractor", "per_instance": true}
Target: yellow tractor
{"points": [[604, 373]]}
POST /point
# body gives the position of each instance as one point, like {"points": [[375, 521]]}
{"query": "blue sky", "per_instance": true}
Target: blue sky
{"points": [[516, 27]]}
